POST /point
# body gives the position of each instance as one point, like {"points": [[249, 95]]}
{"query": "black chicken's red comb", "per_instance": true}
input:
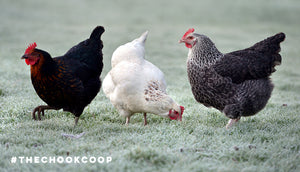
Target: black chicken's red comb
{"points": [[30, 48], [191, 30]]}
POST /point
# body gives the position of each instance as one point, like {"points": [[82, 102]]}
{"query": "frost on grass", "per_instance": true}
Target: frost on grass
{"points": [[1, 92], [149, 156], [73, 136]]}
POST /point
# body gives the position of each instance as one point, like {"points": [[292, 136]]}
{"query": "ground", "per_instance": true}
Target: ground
{"points": [[269, 141]]}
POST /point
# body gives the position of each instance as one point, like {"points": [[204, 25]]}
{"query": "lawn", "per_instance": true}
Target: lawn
{"points": [[269, 141]]}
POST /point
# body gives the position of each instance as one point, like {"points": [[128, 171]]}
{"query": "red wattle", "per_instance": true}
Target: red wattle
{"points": [[29, 62], [188, 45]]}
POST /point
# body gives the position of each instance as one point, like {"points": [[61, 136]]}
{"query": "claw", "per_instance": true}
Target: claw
{"points": [[33, 114], [39, 110], [39, 113]]}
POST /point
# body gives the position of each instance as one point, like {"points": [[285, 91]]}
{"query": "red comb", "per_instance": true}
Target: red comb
{"points": [[182, 109], [191, 30], [30, 48]]}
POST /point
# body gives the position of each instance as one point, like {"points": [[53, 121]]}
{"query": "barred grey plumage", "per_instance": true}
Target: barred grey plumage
{"points": [[235, 83]]}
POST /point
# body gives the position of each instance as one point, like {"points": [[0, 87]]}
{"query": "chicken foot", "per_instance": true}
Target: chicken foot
{"points": [[40, 109]]}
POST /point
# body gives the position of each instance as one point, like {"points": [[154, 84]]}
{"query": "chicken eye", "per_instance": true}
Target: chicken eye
{"points": [[190, 37]]}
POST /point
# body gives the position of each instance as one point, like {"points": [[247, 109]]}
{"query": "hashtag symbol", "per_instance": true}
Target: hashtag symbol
{"points": [[13, 159]]}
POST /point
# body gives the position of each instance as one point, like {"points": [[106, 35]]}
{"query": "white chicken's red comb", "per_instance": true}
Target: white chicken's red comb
{"points": [[182, 109], [191, 30]]}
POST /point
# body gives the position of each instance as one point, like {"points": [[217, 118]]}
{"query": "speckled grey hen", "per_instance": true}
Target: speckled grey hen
{"points": [[235, 83]]}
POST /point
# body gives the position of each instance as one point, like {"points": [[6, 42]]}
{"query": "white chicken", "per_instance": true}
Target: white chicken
{"points": [[134, 85]]}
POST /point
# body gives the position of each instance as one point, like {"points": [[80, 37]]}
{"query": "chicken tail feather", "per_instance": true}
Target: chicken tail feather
{"points": [[271, 46], [97, 32], [142, 39]]}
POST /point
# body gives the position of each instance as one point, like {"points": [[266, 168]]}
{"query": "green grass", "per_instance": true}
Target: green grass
{"points": [[269, 141]]}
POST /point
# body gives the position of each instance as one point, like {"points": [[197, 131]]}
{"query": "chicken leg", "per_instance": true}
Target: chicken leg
{"points": [[127, 120], [145, 119], [76, 120], [231, 122]]}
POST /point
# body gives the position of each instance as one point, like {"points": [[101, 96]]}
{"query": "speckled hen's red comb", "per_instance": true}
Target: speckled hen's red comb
{"points": [[191, 30], [30, 48]]}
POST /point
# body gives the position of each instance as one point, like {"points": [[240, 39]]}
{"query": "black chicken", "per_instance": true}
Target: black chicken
{"points": [[69, 82], [235, 83]]}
